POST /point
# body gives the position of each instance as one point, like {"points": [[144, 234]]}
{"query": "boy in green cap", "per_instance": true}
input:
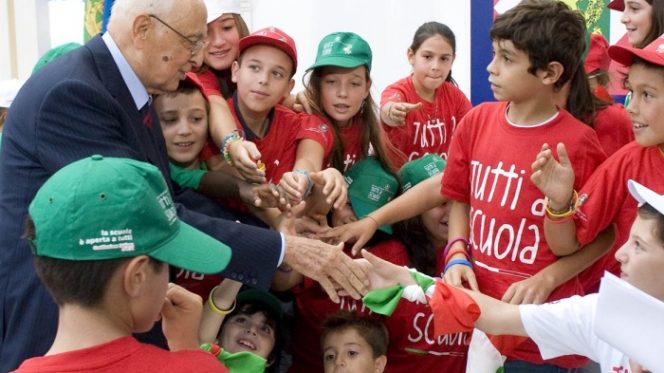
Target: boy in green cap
{"points": [[104, 231]]}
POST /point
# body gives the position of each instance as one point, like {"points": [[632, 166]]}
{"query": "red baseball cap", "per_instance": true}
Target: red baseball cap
{"points": [[653, 53], [598, 55], [274, 37], [618, 5]]}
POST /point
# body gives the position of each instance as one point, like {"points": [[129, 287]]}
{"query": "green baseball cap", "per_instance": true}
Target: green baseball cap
{"points": [[343, 49], [370, 187], [54, 53], [420, 169], [259, 296], [102, 208]]}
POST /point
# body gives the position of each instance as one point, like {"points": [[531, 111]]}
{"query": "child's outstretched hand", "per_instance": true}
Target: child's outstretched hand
{"points": [[334, 186], [181, 316], [383, 274], [395, 113], [245, 155], [359, 232], [554, 178], [294, 185]]}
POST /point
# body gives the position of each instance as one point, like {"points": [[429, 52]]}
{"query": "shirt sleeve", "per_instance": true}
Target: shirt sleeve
{"points": [[185, 177], [562, 328], [314, 128], [455, 184]]}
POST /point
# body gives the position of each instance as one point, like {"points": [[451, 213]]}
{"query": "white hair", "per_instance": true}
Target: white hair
{"points": [[126, 10]]}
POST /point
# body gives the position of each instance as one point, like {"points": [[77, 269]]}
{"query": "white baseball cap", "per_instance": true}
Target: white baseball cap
{"points": [[645, 195], [8, 90], [215, 8]]}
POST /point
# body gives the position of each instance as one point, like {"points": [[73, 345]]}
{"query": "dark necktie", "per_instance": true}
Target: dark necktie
{"points": [[146, 112]]}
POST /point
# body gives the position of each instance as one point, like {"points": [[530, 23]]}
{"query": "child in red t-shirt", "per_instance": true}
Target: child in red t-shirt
{"points": [[495, 207], [105, 231], [603, 201], [421, 111], [287, 141]]}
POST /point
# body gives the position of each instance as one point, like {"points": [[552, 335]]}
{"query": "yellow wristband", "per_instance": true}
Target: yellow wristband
{"points": [[216, 309], [562, 214]]}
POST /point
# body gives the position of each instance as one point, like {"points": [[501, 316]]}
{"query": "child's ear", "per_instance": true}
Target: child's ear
{"points": [[136, 275], [380, 363], [411, 56], [552, 72], [289, 88], [235, 67]]}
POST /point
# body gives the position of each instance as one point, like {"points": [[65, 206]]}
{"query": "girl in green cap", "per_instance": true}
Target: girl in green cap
{"points": [[337, 89]]}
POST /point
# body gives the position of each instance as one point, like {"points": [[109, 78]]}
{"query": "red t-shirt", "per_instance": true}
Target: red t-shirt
{"points": [[412, 347], [613, 127], [489, 168], [351, 138], [124, 355], [278, 147], [606, 200], [429, 129]]}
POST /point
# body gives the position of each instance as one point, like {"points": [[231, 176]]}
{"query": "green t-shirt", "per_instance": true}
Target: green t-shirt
{"points": [[187, 178]]}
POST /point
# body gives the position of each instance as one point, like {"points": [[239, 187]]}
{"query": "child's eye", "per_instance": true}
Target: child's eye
{"points": [[197, 119], [228, 28], [169, 120], [356, 84], [240, 320], [352, 353], [330, 81], [278, 74], [266, 329], [426, 57], [638, 246], [329, 357], [254, 68]]}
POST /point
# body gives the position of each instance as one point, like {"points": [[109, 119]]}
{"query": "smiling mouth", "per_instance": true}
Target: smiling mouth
{"points": [[247, 344], [184, 144], [638, 125]]}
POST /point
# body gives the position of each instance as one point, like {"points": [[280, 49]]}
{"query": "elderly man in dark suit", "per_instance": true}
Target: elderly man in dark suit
{"points": [[96, 100]]}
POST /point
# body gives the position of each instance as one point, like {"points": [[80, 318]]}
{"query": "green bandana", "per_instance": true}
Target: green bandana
{"points": [[385, 301], [239, 362]]}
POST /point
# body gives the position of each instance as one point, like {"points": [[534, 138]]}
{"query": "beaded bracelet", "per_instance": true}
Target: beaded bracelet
{"points": [[465, 262], [215, 308], [310, 183], [452, 242], [555, 214], [232, 137]]}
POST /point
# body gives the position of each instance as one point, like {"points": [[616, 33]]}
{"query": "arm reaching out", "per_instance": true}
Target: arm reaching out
{"points": [[495, 317]]}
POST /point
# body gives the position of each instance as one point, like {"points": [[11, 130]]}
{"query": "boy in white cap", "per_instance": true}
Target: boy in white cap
{"points": [[105, 231]]}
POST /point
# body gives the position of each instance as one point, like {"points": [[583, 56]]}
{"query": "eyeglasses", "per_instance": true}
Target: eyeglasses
{"points": [[194, 46]]}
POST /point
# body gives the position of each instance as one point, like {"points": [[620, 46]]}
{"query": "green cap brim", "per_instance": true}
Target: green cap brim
{"points": [[260, 296], [336, 61], [194, 250], [362, 209]]}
